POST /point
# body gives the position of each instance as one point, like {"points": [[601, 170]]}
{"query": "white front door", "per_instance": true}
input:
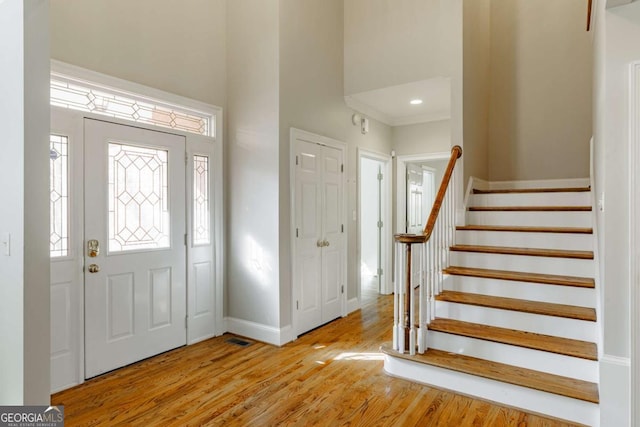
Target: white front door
{"points": [[319, 249], [135, 253]]}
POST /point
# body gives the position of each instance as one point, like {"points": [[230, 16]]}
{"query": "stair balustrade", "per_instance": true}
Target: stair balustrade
{"points": [[430, 250]]}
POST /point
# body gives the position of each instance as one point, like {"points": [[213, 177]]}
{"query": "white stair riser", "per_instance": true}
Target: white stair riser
{"points": [[524, 263], [531, 199], [544, 361], [536, 323], [574, 410], [527, 218], [567, 241], [571, 295]]}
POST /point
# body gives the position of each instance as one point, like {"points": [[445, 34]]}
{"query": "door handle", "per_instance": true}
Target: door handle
{"points": [[319, 243], [325, 243], [94, 268]]}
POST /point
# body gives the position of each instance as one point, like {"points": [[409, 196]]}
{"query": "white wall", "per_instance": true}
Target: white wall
{"points": [[311, 98], [252, 162], [421, 138], [476, 84], [178, 47], [402, 40], [24, 166], [541, 76], [616, 33]]}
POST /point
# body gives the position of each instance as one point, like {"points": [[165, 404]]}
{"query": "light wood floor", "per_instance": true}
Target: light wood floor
{"points": [[332, 376]]}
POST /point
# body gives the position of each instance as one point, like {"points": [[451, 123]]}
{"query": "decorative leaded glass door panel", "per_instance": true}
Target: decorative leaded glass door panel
{"points": [[135, 254]]}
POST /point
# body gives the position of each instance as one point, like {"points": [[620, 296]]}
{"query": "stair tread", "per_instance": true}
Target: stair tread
{"points": [[546, 279], [507, 250], [526, 229], [533, 190], [535, 307], [529, 208], [542, 381], [549, 343]]}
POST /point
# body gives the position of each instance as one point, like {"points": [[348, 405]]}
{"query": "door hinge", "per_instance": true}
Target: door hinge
{"points": [[342, 289], [342, 168], [185, 239], [297, 232], [186, 321], [379, 177], [186, 158], [297, 306], [342, 228], [379, 224], [296, 160], [379, 272]]}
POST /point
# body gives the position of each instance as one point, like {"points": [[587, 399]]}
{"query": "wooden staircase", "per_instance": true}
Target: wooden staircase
{"points": [[516, 321]]}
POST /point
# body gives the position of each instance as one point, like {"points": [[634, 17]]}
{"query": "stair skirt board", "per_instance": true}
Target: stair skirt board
{"points": [[541, 219], [524, 290], [537, 360], [562, 241], [548, 404], [536, 323], [530, 199], [544, 265]]}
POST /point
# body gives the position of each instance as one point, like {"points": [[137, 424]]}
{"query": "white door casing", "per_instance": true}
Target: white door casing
{"points": [[318, 256], [135, 208]]}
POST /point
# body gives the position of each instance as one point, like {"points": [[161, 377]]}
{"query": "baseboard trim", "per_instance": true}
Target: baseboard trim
{"points": [[541, 183], [352, 305], [259, 332], [615, 400]]}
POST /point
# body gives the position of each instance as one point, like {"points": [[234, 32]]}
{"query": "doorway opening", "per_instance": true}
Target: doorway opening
{"points": [[374, 233]]}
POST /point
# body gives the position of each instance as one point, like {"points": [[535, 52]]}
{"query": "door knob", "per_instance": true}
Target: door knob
{"points": [[325, 243], [94, 268], [319, 243]]}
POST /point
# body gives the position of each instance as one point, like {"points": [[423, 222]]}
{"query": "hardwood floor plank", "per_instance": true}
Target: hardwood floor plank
{"points": [[525, 306], [506, 250], [331, 376], [533, 190], [545, 279]]}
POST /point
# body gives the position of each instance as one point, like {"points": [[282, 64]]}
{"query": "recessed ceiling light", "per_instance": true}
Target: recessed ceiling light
{"points": [[415, 102]]}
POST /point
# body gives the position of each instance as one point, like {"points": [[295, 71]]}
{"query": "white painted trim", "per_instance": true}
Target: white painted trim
{"points": [[374, 113], [474, 183], [401, 183], [387, 239], [294, 134], [258, 331], [543, 183], [615, 382], [353, 304], [59, 68], [634, 236]]}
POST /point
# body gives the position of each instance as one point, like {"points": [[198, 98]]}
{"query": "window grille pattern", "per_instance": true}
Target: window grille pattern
{"points": [[59, 196], [201, 235], [74, 96], [138, 198]]}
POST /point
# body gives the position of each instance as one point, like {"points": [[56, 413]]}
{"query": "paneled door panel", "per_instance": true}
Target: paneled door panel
{"points": [[319, 252], [135, 254]]}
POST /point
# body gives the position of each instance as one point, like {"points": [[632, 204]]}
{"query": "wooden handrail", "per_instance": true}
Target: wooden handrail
{"points": [[456, 153], [404, 331]]}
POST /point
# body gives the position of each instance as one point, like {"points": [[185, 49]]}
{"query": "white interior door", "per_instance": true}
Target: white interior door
{"points": [[135, 293], [415, 217], [319, 248]]}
